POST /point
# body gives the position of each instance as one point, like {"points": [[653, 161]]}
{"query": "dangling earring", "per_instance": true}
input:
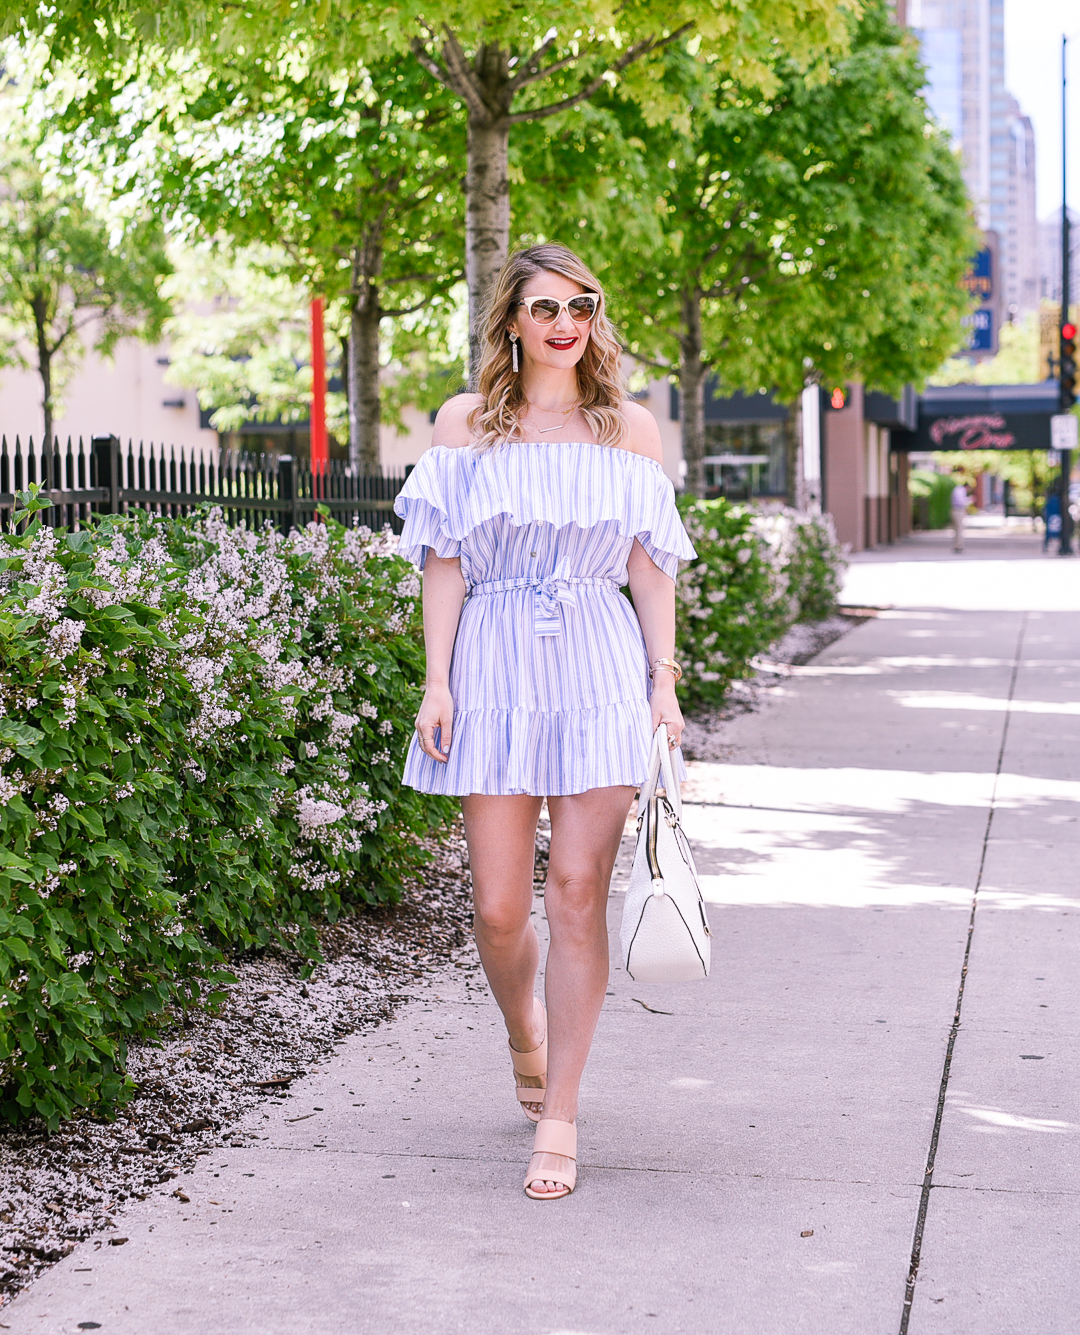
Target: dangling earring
{"points": [[513, 351]]}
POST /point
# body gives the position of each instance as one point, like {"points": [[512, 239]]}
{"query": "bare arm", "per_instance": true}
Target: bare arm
{"points": [[654, 592], [654, 602], [444, 594]]}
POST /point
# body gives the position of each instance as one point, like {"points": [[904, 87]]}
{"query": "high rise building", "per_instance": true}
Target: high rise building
{"points": [[1015, 219], [963, 48], [1050, 256]]}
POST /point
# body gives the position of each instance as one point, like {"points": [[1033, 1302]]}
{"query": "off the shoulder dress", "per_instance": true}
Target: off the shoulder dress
{"points": [[549, 673]]}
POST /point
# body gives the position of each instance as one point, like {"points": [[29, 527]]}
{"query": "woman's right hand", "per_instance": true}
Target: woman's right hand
{"points": [[436, 711]]}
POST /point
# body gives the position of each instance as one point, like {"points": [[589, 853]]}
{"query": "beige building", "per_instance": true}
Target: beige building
{"points": [[757, 449], [129, 397], [126, 397]]}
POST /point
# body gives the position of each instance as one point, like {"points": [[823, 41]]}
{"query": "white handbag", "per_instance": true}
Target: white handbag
{"points": [[665, 933]]}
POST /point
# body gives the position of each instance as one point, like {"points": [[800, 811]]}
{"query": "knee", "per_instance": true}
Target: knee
{"points": [[575, 900], [497, 922]]}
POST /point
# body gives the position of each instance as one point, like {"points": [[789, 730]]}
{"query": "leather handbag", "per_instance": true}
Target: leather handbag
{"points": [[665, 933]]}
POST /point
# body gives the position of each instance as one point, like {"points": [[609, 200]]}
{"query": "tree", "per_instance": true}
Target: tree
{"points": [[507, 64], [68, 275], [817, 233], [349, 189], [241, 338]]}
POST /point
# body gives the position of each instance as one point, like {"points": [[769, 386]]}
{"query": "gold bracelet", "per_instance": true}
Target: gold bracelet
{"points": [[666, 665]]}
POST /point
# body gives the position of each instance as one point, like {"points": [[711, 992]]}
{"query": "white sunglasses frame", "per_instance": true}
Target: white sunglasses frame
{"points": [[529, 302]]}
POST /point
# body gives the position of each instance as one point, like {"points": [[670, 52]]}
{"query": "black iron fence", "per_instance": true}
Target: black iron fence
{"points": [[251, 489]]}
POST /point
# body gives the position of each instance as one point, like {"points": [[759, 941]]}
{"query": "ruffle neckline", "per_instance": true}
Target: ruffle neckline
{"points": [[545, 445], [452, 491]]}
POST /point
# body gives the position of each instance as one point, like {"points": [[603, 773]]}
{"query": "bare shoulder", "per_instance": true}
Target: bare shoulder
{"points": [[452, 421], [642, 432]]}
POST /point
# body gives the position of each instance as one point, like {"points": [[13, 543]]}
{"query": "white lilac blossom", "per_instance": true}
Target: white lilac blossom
{"points": [[40, 568], [64, 637], [249, 621], [314, 815]]}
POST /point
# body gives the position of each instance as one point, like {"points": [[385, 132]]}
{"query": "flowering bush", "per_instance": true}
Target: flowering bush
{"points": [[815, 566], [201, 732], [757, 572]]}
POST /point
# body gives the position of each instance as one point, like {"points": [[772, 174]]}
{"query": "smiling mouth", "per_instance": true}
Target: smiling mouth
{"points": [[562, 343]]}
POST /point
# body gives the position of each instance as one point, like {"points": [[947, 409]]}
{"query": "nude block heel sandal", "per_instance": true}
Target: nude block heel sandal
{"points": [[553, 1137], [532, 1063]]}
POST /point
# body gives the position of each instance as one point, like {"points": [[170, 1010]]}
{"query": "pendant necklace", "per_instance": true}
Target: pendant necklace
{"points": [[558, 425]]}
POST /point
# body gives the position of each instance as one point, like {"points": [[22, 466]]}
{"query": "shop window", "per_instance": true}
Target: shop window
{"points": [[745, 459]]}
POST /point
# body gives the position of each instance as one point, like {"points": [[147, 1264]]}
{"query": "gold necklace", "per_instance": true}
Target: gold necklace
{"points": [[565, 414]]}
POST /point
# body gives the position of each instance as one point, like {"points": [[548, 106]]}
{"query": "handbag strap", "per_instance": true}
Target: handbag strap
{"points": [[660, 764]]}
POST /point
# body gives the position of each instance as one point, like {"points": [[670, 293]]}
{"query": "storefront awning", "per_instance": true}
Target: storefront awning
{"points": [[982, 417]]}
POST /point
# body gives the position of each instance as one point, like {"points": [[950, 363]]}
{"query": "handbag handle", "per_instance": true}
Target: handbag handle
{"points": [[660, 763]]}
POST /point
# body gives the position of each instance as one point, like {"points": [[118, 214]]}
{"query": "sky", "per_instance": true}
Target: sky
{"points": [[1033, 30]]}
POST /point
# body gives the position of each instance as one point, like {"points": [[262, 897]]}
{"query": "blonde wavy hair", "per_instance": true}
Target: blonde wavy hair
{"points": [[600, 382]]}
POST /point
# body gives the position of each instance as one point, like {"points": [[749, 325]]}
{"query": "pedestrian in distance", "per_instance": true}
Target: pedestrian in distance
{"points": [[958, 509], [541, 495], [1051, 518]]}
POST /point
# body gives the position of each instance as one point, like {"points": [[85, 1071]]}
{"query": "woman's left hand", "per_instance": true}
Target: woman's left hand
{"points": [[665, 707]]}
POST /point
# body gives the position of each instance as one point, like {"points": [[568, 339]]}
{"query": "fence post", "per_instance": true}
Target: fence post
{"points": [[289, 518], [106, 455]]}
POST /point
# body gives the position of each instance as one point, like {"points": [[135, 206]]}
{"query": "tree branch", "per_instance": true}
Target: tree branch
{"points": [[635, 53], [640, 357], [437, 71], [465, 84], [405, 310], [530, 71]]}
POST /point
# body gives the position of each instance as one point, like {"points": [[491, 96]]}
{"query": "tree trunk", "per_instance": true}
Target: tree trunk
{"points": [[487, 188], [364, 454], [363, 365], [692, 373], [487, 221], [44, 356]]}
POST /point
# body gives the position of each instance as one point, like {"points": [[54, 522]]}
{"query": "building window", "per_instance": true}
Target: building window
{"points": [[745, 459]]}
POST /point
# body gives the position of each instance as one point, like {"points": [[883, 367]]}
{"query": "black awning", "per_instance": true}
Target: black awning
{"points": [[982, 417]]}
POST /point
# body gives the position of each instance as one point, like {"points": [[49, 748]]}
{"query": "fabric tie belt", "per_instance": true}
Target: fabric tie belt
{"points": [[549, 593]]}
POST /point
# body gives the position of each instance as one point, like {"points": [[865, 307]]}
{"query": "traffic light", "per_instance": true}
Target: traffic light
{"points": [[1068, 366]]}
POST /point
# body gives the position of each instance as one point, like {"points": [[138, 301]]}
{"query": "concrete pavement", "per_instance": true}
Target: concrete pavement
{"points": [[755, 1150]]}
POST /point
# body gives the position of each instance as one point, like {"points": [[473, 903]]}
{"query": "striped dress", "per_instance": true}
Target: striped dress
{"points": [[549, 673]]}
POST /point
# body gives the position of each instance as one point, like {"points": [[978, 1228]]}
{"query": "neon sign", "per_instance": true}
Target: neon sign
{"points": [[986, 432]]}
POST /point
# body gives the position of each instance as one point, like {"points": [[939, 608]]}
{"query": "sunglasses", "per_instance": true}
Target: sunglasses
{"points": [[546, 310]]}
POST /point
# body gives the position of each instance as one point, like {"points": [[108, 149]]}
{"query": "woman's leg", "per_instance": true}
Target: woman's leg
{"points": [[585, 832], [501, 833]]}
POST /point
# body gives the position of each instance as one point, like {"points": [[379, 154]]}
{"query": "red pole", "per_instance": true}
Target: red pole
{"points": [[320, 449]]}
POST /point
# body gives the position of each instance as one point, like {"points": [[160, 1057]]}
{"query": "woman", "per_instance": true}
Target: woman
{"points": [[539, 497]]}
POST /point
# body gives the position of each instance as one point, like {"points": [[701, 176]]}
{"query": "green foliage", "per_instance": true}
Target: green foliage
{"points": [[820, 229], [756, 574], [931, 496], [71, 275], [557, 47], [242, 339], [347, 188], [201, 731], [505, 63]]}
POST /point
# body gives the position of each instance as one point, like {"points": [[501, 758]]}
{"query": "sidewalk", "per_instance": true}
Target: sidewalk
{"points": [[754, 1149]]}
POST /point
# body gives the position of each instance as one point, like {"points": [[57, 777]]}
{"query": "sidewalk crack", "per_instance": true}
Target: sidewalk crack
{"points": [[954, 1028]]}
